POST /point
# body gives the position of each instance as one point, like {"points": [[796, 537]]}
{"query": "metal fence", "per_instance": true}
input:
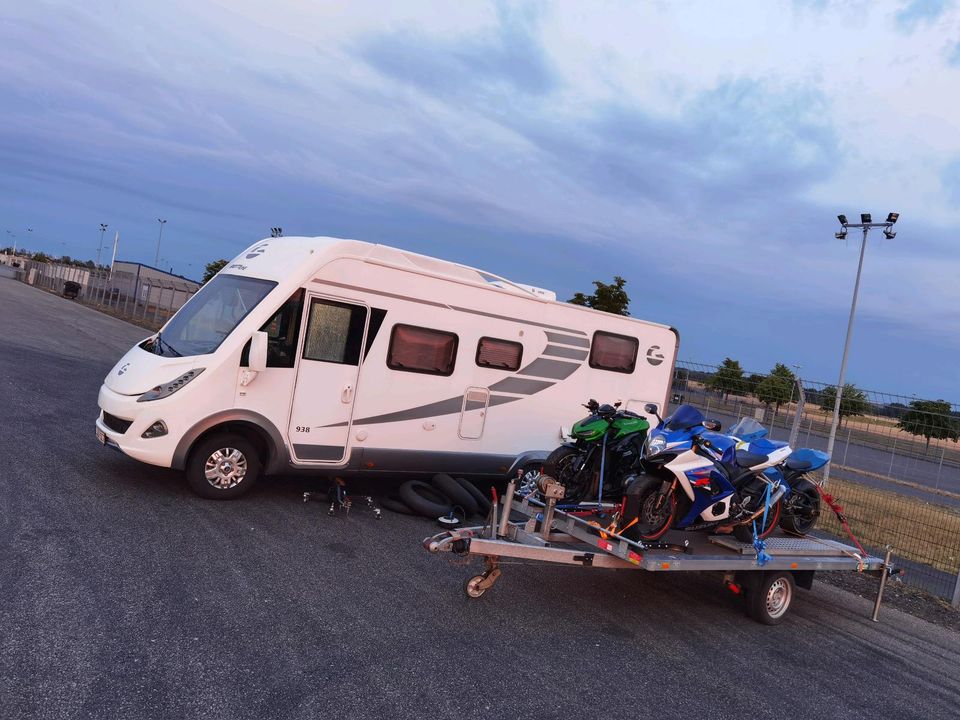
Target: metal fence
{"points": [[896, 459], [148, 302]]}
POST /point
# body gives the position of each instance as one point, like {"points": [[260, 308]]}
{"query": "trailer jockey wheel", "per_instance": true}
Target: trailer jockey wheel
{"points": [[769, 598], [478, 584]]}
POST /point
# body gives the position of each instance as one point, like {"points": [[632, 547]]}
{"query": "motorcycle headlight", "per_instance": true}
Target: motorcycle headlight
{"points": [[167, 389], [656, 445]]}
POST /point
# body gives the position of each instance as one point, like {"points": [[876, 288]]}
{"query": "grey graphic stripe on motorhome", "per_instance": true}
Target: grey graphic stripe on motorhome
{"points": [[568, 340], [547, 368], [521, 386], [443, 407], [318, 452], [565, 352], [451, 307], [516, 320], [396, 296]]}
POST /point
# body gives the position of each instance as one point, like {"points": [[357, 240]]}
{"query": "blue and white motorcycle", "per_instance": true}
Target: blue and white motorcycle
{"points": [[695, 478]]}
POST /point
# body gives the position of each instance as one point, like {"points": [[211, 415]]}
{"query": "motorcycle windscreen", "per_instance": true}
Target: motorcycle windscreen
{"points": [[684, 418]]}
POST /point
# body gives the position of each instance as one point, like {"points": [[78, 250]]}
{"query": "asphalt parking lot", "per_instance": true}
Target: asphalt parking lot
{"points": [[124, 596]]}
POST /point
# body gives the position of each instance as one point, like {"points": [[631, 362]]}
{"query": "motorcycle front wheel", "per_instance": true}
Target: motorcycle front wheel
{"points": [[655, 513], [565, 466]]}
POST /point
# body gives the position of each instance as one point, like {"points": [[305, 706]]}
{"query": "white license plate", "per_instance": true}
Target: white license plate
{"points": [[101, 437]]}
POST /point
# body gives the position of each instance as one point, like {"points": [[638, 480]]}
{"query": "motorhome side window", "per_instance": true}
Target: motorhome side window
{"points": [[499, 354], [283, 333], [334, 332], [422, 350], [617, 353]]}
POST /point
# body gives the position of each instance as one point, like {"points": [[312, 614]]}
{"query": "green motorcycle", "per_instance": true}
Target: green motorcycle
{"points": [[606, 449]]}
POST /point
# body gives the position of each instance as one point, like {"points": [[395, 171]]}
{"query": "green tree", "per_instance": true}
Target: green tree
{"points": [[212, 269], [728, 378], [41, 256], [753, 381], [609, 298], [852, 402], [777, 387], [931, 419]]}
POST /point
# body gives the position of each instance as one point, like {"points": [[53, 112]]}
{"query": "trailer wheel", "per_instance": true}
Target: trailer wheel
{"points": [[223, 466], [457, 494], [769, 600], [473, 588]]}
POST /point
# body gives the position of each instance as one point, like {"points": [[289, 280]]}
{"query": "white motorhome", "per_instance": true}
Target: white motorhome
{"points": [[344, 357]]}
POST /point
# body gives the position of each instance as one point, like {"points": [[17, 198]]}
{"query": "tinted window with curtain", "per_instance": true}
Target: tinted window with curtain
{"points": [[617, 353], [334, 332], [500, 354], [422, 350]]}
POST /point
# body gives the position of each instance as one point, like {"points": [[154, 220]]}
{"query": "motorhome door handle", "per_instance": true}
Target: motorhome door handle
{"points": [[347, 394]]}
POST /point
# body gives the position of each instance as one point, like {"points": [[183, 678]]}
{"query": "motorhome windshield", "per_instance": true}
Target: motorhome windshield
{"points": [[210, 315]]}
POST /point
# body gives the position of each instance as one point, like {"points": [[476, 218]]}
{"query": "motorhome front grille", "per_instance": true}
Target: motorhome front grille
{"points": [[116, 424]]}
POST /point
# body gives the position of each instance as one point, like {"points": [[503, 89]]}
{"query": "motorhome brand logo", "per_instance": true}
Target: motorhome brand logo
{"points": [[653, 356], [258, 250], [123, 368]]}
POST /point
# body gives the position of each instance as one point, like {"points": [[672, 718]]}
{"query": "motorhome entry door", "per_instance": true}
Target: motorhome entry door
{"points": [[327, 379]]}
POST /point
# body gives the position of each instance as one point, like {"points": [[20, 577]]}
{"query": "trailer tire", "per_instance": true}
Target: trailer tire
{"points": [[393, 503], [223, 466], [457, 494], [423, 499], [768, 600]]}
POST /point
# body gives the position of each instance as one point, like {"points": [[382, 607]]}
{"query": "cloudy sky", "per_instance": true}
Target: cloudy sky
{"points": [[700, 149]]}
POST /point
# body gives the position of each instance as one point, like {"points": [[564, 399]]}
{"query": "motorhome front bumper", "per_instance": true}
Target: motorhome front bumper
{"points": [[131, 427]]}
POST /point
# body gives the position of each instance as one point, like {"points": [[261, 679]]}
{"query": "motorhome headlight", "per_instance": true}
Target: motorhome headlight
{"points": [[167, 389], [656, 444]]}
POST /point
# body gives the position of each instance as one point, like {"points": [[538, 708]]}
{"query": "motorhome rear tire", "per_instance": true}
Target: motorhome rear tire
{"points": [[223, 466]]}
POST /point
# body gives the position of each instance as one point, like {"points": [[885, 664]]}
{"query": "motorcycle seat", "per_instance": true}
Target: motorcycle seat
{"points": [[796, 464], [746, 459]]}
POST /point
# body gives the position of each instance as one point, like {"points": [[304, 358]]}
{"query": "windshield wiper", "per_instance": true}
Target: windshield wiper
{"points": [[161, 343]]}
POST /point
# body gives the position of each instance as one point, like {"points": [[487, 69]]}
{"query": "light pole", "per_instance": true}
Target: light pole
{"points": [[866, 224], [103, 229], [159, 237]]}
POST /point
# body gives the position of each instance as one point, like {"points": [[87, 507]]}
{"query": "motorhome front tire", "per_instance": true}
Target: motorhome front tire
{"points": [[223, 466]]}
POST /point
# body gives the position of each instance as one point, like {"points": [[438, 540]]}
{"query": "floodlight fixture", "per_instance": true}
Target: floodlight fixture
{"points": [[842, 235], [276, 232], [865, 218], [893, 217], [889, 234], [842, 219]]}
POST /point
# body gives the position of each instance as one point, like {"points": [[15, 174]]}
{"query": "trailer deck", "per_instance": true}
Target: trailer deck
{"points": [[545, 534]]}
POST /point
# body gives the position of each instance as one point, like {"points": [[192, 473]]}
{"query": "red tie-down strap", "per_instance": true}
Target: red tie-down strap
{"points": [[838, 511]]}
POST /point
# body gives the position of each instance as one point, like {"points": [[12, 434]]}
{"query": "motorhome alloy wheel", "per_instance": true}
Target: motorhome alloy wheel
{"points": [[225, 468]]}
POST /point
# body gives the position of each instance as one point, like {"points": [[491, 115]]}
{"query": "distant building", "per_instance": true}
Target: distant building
{"points": [[151, 285]]}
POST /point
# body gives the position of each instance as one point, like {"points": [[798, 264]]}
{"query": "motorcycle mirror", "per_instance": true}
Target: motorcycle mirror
{"points": [[651, 409], [713, 425]]}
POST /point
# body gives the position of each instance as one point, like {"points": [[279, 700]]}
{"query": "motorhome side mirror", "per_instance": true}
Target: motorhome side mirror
{"points": [[258, 352], [650, 408], [712, 425]]}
